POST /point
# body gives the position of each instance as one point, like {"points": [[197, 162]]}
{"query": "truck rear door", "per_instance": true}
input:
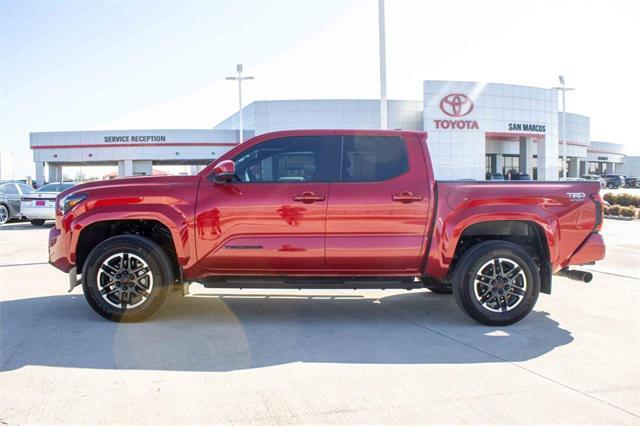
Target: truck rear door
{"points": [[377, 211]]}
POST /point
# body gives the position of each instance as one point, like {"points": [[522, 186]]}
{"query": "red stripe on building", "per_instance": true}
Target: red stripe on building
{"points": [[513, 136], [509, 136], [120, 145]]}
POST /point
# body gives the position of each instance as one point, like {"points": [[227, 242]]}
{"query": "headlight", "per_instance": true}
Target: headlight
{"points": [[70, 201]]}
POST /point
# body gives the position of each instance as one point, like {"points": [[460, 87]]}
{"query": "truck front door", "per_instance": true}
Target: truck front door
{"points": [[272, 218]]}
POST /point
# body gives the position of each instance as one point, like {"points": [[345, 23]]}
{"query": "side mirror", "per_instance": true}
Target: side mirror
{"points": [[224, 171]]}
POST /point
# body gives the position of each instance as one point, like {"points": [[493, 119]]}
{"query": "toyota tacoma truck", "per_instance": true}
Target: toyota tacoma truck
{"points": [[305, 209]]}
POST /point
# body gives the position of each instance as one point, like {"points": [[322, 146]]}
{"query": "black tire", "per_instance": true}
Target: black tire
{"points": [[611, 186], [436, 286], [37, 222], [160, 274], [504, 308], [4, 214]]}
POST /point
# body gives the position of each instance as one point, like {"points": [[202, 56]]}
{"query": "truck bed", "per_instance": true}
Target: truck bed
{"points": [[564, 211]]}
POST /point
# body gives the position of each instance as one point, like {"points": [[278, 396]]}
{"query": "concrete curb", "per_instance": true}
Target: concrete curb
{"points": [[618, 217]]}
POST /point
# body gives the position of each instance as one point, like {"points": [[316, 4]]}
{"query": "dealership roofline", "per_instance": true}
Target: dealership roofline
{"points": [[150, 129]]}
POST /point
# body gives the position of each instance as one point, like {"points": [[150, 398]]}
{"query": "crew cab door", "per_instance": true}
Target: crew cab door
{"points": [[272, 217], [378, 206]]}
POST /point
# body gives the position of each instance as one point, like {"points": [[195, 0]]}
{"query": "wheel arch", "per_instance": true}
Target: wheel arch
{"points": [[96, 232], [528, 234]]}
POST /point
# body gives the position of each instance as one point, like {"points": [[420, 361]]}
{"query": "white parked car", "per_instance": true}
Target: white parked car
{"points": [[40, 205]]}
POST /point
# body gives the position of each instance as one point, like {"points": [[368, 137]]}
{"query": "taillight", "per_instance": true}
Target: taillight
{"points": [[599, 212]]}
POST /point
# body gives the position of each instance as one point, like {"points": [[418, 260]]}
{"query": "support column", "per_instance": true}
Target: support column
{"points": [[548, 158], [39, 173], [573, 167], [531, 149], [523, 159], [55, 173], [125, 168]]}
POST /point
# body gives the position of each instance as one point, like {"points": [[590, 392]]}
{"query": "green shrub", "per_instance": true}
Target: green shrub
{"points": [[629, 211], [612, 210], [624, 211], [609, 198], [624, 199], [628, 200]]}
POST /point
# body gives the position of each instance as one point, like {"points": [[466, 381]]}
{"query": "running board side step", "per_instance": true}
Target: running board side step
{"points": [[316, 283]]}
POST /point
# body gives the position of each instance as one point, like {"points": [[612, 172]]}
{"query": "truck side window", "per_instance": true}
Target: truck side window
{"points": [[372, 158], [289, 159]]}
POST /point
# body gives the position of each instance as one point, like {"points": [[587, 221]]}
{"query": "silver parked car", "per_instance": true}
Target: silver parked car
{"points": [[10, 194], [40, 205]]}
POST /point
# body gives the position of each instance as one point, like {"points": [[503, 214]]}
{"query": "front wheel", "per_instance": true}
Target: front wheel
{"points": [[127, 278], [37, 222], [496, 283]]}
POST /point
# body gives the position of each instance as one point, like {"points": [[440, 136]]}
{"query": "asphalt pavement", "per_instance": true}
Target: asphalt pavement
{"points": [[291, 357]]}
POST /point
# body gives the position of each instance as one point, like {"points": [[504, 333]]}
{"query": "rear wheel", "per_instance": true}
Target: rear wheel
{"points": [[127, 278], [37, 222], [496, 283]]}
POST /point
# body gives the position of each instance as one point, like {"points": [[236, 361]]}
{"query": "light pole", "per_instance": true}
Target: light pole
{"points": [[383, 67], [563, 89], [239, 78]]}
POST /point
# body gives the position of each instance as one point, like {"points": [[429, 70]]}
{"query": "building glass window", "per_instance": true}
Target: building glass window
{"points": [[566, 167], [510, 164], [597, 168]]}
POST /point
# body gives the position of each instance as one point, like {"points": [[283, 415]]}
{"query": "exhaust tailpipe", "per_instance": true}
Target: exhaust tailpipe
{"points": [[576, 275]]}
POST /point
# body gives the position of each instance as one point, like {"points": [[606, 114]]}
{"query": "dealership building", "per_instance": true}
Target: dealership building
{"points": [[474, 129]]}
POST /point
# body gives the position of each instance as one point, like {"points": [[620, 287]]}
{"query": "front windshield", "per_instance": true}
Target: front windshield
{"points": [[55, 187]]}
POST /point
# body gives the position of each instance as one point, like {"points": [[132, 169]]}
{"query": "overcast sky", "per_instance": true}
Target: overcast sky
{"points": [[132, 65]]}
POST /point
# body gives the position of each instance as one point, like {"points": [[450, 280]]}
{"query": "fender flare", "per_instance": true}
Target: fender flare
{"points": [[173, 219], [447, 233]]}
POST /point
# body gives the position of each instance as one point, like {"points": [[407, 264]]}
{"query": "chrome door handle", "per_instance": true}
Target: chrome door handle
{"points": [[406, 197], [308, 197]]}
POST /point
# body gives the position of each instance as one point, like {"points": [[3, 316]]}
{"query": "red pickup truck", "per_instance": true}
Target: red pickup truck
{"points": [[325, 209]]}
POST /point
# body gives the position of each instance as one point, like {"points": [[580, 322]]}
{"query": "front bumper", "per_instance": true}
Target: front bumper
{"points": [[592, 250], [58, 251]]}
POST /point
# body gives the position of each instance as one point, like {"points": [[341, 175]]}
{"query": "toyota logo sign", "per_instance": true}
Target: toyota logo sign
{"points": [[456, 105]]}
